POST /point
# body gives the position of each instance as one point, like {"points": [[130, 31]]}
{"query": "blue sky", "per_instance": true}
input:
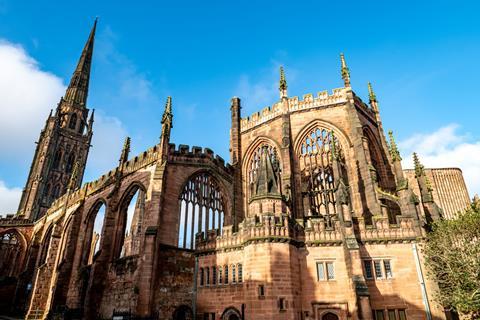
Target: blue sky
{"points": [[422, 59]]}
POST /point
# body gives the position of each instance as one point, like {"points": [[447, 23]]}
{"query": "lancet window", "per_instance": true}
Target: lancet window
{"points": [[73, 122], [201, 209], [132, 213], [10, 251], [254, 165], [318, 151]]}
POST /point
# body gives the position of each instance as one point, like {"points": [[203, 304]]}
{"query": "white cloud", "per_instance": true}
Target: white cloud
{"points": [[9, 199], [108, 136], [27, 93], [446, 147]]}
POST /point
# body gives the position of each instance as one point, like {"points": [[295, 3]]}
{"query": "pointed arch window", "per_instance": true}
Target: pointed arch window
{"points": [[57, 159], [94, 232], [318, 150], [201, 206], [254, 165], [132, 216], [70, 162], [73, 122], [11, 254]]}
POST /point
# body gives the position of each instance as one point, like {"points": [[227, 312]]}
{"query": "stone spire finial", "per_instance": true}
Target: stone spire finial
{"points": [[371, 93], [77, 90], [74, 177], [345, 71], [167, 118], [394, 152], [125, 151], [283, 84], [419, 168]]}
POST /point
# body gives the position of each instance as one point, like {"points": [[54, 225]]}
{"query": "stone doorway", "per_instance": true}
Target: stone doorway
{"points": [[330, 316], [183, 313]]}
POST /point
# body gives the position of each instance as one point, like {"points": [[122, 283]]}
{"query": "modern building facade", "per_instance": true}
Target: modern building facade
{"points": [[312, 218]]}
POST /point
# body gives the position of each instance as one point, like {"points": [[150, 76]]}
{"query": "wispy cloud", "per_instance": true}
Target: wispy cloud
{"points": [[446, 147], [262, 92]]}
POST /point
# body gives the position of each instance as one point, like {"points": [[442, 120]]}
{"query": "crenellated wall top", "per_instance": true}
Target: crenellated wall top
{"points": [[309, 101]]}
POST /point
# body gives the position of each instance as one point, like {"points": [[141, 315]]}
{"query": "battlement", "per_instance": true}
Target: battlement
{"points": [[196, 152], [14, 220], [323, 99]]}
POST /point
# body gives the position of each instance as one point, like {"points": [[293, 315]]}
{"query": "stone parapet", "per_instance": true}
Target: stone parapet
{"points": [[323, 99], [405, 230]]}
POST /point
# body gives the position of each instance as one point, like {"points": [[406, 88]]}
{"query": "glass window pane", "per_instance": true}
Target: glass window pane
{"points": [[320, 271], [388, 269], [368, 269], [391, 315], [330, 271], [402, 315], [378, 269], [379, 315]]}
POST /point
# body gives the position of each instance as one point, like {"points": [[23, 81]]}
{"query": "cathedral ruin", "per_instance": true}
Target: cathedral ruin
{"points": [[313, 217]]}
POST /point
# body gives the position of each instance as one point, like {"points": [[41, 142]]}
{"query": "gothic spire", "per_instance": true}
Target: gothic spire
{"points": [[394, 153], [345, 71], [77, 91], [283, 84]]}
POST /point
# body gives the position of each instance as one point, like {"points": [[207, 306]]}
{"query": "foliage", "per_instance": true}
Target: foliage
{"points": [[452, 253]]}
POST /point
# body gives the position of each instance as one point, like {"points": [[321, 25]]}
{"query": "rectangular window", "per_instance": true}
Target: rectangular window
{"points": [[207, 271], [320, 271], [240, 273], [281, 304], [234, 277], [219, 275], [391, 315], [201, 277], [330, 271], [402, 315], [226, 275], [261, 290], [367, 264], [378, 269], [388, 269], [214, 275], [379, 315]]}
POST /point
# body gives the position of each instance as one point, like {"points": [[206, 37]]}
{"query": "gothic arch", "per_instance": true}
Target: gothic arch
{"points": [[251, 161], [203, 204], [329, 315], [231, 313], [13, 250], [340, 134], [57, 159], [320, 159], [124, 242]]}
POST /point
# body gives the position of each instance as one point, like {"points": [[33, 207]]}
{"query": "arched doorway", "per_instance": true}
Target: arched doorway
{"points": [[183, 313], [231, 313], [330, 316]]}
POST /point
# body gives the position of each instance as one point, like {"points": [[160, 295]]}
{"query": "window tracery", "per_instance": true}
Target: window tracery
{"points": [[201, 209], [254, 165], [318, 152]]}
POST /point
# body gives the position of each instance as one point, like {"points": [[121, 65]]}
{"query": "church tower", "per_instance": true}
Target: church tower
{"points": [[64, 141]]}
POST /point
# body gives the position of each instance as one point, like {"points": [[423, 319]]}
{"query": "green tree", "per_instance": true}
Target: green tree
{"points": [[452, 253]]}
